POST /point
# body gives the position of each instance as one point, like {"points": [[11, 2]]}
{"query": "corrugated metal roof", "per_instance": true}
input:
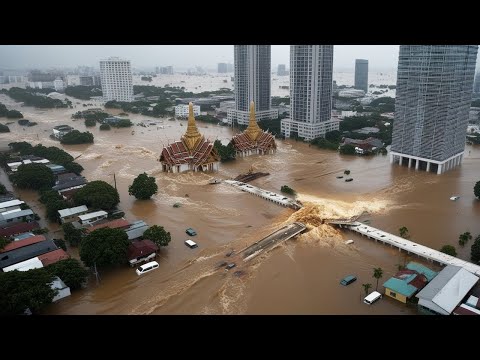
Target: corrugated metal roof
{"points": [[24, 253], [14, 215], [7, 204], [114, 224], [53, 256], [72, 211], [429, 274], [25, 242], [26, 265], [92, 215], [18, 228], [449, 287]]}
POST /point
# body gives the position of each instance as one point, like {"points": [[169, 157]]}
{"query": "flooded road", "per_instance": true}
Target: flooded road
{"points": [[300, 276]]}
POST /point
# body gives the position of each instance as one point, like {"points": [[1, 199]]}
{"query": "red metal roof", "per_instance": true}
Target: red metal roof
{"points": [[114, 224], [21, 243], [264, 142], [53, 256], [18, 228], [141, 248]]}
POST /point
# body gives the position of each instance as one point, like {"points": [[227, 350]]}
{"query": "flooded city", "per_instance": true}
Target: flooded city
{"points": [[299, 276]]}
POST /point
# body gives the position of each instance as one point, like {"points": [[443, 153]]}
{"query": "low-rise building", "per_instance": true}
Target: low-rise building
{"points": [[62, 289], [18, 228], [181, 111], [141, 250], [136, 229], [69, 184], [72, 214], [91, 218], [446, 291], [30, 264], [27, 252], [52, 257], [9, 205], [60, 130], [22, 236], [56, 169], [406, 283], [16, 216], [114, 224], [23, 242]]}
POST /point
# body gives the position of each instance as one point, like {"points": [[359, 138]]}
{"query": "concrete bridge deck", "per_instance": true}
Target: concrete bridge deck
{"points": [[267, 195], [407, 245]]}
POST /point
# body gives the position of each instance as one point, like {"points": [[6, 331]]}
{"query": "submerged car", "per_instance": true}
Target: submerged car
{"points": [[347, 280], [191, 232]]}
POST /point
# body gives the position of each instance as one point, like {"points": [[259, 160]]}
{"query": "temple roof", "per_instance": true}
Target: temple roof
{"points": [[192, 135], [254, 137]]}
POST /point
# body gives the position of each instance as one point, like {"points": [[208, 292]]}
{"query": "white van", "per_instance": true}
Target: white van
{"points": [[147, 267], [371, 298], [191, 244]]}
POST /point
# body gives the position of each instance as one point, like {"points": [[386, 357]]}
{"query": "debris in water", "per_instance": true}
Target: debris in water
{"points": [[230, 253], [239, 273], [176, 205], [348, 242], [186, 195]]}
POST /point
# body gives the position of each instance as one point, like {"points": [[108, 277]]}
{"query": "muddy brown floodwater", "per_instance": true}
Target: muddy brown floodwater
{"points": [[300, 276]]}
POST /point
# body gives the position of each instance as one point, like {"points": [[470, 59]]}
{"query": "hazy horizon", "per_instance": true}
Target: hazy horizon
{"points": [[143, 57]]}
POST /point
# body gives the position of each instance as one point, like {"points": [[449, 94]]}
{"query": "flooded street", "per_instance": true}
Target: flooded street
{"points": [[300, 276]]}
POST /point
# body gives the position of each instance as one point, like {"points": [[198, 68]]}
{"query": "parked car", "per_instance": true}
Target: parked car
{"points": [[230, 266], [347, 280], [147, 268], [371, 298], [191, 232], [191, 244]]}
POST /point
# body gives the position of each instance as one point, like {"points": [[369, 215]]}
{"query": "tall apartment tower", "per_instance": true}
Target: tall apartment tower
{"points": [[476, 86], [433, 97], [361, 75], [222, 68], [116, 79], [281, 71], [252, 67], [311, 68]]}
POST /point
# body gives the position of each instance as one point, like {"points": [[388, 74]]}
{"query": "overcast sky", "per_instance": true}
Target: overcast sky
{"points": [[180, 56]]}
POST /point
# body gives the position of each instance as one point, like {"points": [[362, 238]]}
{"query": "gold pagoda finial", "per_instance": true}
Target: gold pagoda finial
{"points": [[253, 130], [192, 135]]}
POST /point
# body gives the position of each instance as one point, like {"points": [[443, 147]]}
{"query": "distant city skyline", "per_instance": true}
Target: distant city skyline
{"points": [[180, 56]]}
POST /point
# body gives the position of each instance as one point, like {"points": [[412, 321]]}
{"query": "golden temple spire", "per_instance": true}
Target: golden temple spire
{"points": [[253, 130], [192, 135]]}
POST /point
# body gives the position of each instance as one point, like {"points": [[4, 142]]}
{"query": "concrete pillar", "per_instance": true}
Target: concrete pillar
{"points": [[391, 158], [428, 166], [439, 171], [401, 160], [409, 163], [417, 164]]}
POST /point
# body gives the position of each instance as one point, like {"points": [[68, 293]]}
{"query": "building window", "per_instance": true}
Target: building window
{"points": [[392, 294]]}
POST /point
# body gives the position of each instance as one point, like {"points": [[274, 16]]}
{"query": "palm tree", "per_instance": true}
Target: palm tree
{"points": [[366, 287], [377, 274], [463, 238], [404, 232]]}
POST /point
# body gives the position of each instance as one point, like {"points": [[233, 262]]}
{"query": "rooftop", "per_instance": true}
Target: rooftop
{"points": [[14, 214], [114, 224], [18, 228], [21, 243], [406, 282], [141, 248], [72, 211], [24, 253], [53, 256]]}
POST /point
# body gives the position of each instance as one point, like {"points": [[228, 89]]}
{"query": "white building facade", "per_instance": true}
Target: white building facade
{"points": [[116, 79], [311, 71], [182, 110]]}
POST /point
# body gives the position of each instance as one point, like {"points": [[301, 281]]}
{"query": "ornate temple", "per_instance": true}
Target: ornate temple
{"points": [[192, 153], [254, 140]]}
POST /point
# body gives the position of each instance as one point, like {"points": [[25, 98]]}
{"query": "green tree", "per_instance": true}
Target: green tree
{"points": [[4, 128], [347, 172], [104, 127], [288, 190], [333, 136], [61, 244], [464, 238], [98, 195], [104, 247], [22, 290], [475, 250], [72, 235], [476, 189], [347, 149], [449, 250], [74, 167], [71, 271], [14, 114], [33, 176], [226, 153], [377, 274], [90, 122], [404, 232], [158, 235], [3, 189], [143, 187], [52, 209], [4, 242], [366, 287], [49, 195], [77, 137]]}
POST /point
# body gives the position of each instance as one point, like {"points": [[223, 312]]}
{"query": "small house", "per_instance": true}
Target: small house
{"points": [[114, 224], [16, 216], [18, 228], [62, 289], [136, 229], [141, 250], [90, 218], [72, 214]]}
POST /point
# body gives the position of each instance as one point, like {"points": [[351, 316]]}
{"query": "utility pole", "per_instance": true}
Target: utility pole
{"points": [[115, 181]]}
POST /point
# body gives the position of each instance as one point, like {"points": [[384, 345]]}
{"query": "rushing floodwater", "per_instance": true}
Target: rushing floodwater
{"points": [[300, 276]]}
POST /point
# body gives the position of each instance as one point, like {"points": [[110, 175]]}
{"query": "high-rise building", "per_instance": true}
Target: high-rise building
{"points": [[476, 87], [433, 97], [222, 68], [311, 68], [116, 79], [361, 75], [281, 71], [229, 67], [252, 83]]}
